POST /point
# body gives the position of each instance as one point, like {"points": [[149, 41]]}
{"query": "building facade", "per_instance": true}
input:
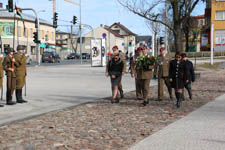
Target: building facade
{"points": [[214, 14], [15, 32], [218, 21]]}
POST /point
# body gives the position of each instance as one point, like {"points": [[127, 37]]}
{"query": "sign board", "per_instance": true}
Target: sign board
{"points": [[6, 29], [96, 56], [204, 41]]}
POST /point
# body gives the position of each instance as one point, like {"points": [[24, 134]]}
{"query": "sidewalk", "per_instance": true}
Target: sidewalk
{"points": [[203, 129]]}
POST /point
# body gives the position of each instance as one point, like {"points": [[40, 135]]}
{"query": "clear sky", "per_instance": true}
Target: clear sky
{"points": [[94, 13]]}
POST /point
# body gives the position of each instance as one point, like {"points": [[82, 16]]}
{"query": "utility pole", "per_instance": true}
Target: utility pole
{"points": [[80, 36]]}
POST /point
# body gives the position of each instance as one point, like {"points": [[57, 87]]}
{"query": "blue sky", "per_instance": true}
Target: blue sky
{"points": [[94, 13]]}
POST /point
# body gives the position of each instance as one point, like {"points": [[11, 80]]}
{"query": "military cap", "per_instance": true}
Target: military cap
{"points": [[10, 50], [20, 47], [162, 49], [115, 47], [183, 55]]}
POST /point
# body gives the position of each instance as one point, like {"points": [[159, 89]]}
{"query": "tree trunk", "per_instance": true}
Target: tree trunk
{"points": [[178, 37], [187, 40]]}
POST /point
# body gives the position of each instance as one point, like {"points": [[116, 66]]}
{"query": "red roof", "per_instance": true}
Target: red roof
{"points": [[199, 17]]}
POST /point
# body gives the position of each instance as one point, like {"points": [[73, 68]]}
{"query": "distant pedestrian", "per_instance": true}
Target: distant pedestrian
{"points": [[161, 70], [177, 73], [21, 73], [9, 65], [190, 77], [1, 76], [122, 58], [115, 69]]}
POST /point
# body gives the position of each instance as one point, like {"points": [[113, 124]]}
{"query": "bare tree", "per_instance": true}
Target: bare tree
{"points": [[147, 9]]}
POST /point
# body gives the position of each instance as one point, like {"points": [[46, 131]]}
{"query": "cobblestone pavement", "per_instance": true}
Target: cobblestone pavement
{"points": [[103, 126]]}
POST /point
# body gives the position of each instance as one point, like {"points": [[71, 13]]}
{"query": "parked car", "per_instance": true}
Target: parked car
{"points": [[29, 60], [50, 57], [73, 56], [86, 56]]}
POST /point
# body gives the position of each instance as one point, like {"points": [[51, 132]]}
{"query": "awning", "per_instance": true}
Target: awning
{"points": [[42, 45]]}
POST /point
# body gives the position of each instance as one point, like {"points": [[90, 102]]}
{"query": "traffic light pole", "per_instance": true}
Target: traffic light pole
{"points": [[38, 35], [80, 36]]}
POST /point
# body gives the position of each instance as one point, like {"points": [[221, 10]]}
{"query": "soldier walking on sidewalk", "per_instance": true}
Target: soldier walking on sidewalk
{"points": [[162, 66], [9, 65], [21, 73]]}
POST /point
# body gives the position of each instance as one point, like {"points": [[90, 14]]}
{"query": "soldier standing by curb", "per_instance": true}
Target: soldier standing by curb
{"points": [[9, 65], [21, 73], [1, 75], [123, 58], [162, 66]]}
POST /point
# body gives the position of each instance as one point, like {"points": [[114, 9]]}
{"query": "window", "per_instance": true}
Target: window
{"points": [[220, 15]]}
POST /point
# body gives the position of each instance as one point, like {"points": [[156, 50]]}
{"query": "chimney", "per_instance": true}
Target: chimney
{"points": [[0, 5], [101, 25]]}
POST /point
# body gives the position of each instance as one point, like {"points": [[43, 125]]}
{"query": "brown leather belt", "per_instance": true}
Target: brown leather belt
{"points": [[23, 67]]}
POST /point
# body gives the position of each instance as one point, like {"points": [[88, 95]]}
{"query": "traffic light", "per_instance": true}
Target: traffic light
{"points": [[55, 20], [74, 19], [35, 36], [10, 5], [161, 40]]}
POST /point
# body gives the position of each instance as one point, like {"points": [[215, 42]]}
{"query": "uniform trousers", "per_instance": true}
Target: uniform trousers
{"points": [[142, 88], [11, 85], [161, 82]]}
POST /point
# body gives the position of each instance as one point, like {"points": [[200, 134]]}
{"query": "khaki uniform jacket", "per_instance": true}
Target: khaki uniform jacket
{"points": [[1, 68], [122, 57], [1, 73], [21, 69], [7, 63], [162, 66], [140, 73]]}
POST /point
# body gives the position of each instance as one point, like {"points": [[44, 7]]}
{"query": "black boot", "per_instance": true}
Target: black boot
{"points": [[189, 93], [9, 98], [178, 96], [21, 100], [145, 102], [18, 98], [1, 105]]}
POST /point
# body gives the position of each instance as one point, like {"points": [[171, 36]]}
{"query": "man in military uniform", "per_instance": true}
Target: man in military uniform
{"points": [[143, 78], [123, 58], [1, 75], [133, 73], [9, 65], [21, 72], [162, 66]]}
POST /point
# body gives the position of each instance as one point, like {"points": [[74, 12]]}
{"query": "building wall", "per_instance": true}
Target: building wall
{"points": [[219, 39], [26, 38], [111, 39]]}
